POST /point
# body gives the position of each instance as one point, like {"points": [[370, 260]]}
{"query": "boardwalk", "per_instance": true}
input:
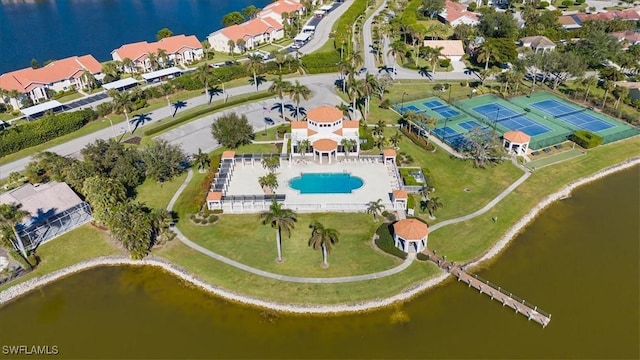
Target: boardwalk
{"points": [[495, 292]]}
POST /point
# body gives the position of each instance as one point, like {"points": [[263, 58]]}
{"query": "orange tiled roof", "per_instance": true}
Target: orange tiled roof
{"points": [[351, 124], [324, 114], [214, 196], [517, 137], [389, 153], [311, 132], [251, 28], [338, 132], [228, 154], [282, 6], [299, 124], [325, 145], [24, 80], [411, 229], [172, 45], [400, 194], [457, 10]]}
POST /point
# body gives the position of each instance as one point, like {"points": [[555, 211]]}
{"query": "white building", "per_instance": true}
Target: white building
{"points": [[180, 49], [254, 32], [275, 10], [325, 130]]}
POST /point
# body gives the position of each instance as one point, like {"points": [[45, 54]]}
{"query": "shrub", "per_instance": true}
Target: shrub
{"points": [[213, 218], [567, 3], [385, 241], [217, 211], [543, 4], [197, 220], [586, 139], [472, 6], [391, 217], [385, 104], [418, 140], [324, 62], [445, 63], [384, 213], [411, 202], [428, 177], [366, 138]]}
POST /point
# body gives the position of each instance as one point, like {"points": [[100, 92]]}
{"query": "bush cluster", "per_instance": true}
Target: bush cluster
{"points": [[366, 138], [323, 62], [586, 139], [416, 139], [42, 130], [346, 21]]}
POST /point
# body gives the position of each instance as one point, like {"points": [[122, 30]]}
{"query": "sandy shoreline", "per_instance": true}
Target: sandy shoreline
{"points": [[32, 284]]}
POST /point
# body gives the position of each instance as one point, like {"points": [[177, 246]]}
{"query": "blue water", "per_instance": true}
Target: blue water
{"points": [[326, 183], [57, 29]]}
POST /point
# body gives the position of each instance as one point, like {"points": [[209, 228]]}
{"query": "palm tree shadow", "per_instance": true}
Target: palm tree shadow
{"points": [[140, 120], [213, 92], [424, 71], [260, 79], [384, 68], [278, 107], [178, 105], [296, 112]]}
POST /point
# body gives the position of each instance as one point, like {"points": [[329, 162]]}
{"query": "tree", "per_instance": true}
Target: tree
{"points": [[432, 7], [113, 160], [280, 87], [621, 92], [203, 74], [34, 64], [163, 33], [232, 45], [348, 145], [483, 147], [304, 146], [395, 140], [163, 161], [250, 11], [612, 74], [464, 32], [297, 92], [163, 57], [588, 82], [323, 238], [280, 219], [495, 24], [432, 205], [232, 18], [231, 130], [271, 163], [132, 225], [152, 59], [241, 45], [486, 53], [596, 47], [10, 215], [206, 46], [161, 220], [254, 65], [105, 195], [433, 55], [110, 70], [202, 160], [375, 208], [607, 86], [269, 181]]}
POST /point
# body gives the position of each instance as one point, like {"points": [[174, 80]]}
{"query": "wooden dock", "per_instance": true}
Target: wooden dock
{"points": [[495, 292]]}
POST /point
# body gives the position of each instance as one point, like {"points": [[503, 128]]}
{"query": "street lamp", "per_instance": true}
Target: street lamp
{"points": [[113, 131], [126, 116], [224, 94], [449, 100], [495, 123], [402, 105], [169, 106]]}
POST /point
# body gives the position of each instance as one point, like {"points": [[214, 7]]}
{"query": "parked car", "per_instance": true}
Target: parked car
{"points": [[269, 121], [363, 70]]}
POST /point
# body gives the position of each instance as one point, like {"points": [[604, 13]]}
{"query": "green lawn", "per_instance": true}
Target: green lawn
{"points": [[270, 133], [463, 241], [83, 243], [238, 281], [156, 195], [66, 98], [244, 238]]}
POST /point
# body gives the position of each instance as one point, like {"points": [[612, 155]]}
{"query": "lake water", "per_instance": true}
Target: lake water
{"points": [[578, 260], [53, 29]]}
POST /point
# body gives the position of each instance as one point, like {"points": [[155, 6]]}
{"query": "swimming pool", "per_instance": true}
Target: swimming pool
{"points": [[326, 183]]}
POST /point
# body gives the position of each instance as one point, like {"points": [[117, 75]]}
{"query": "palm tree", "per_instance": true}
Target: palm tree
{"points": [[345, 110], [621, 92], [424, 121], [10, 215], [280, 87], [122, 101], [204, 75], [241, 45], [153, 61], [345, 68], [348, 145], [375, 208], [161, 220], [127, 64], [231, 44], [378, 130], [280, 219], [304, 146], [395, 140], [486, 53], [163, 57], [380, 142], [398, 48], [269, 181], [254, 65], [434, 55], [354, 92], [206, 46], [202, 160], [607, 86], [356, 60], [432, 205], [297, 92], [588, 83], [323, 238], [271, 163], [369, 85]]}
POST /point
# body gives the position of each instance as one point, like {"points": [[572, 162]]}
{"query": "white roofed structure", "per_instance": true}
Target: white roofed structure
{"points": [[150, 77], [39, 109], [123, 84]]}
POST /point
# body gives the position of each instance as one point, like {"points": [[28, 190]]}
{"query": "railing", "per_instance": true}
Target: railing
{"points": [[514, 297]]}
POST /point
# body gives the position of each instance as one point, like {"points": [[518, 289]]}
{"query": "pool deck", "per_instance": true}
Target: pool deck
{"points": [[378, 184]]}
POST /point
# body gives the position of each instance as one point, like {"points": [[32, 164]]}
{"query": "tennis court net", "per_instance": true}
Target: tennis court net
{"points": [[570, 113], [511, 117]]}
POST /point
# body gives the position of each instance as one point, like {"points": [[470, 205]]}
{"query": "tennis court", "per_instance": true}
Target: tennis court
{"points": [[575, 116], [468, 125], [452, 137], [432, 107], [441, 108], [511, 119]]}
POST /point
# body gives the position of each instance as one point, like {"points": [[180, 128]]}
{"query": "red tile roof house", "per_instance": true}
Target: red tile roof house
{"points": [[59, 75], [627, 38], [253, 32], [180, 49], [276, 9], [576, 21], [455, 14]]}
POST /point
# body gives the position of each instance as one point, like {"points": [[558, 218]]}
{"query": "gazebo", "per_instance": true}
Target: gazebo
{"points": [[399, 198], [389, 156], [325, 147], [214, 200], [410, 235], [516, 142]]}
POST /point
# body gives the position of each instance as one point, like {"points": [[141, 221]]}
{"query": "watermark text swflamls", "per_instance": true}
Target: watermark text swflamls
{"points": [[30, 350]]}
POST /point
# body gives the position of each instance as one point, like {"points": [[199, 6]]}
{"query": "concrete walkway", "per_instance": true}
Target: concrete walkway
{"points": [[331, 280]]}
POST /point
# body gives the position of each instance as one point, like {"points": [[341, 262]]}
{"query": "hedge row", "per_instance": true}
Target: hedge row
{"points": [[324, 62], [42, 130], [346, 21], [586, 139], [416, 139], [207, 110], [199, 201]]}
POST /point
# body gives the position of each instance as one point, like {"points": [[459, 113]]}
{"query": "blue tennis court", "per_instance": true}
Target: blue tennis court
{"points": [[441, 108], [511, 119], [574, 116], [468, 125], [409, 108]]}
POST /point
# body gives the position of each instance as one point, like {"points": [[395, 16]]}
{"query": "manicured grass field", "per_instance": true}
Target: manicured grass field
{"points": [[238, 281], [466, 241], [156, 195], [245, 239], [83, 243]]}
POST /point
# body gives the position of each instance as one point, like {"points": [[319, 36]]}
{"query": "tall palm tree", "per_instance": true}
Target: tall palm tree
{"points": [[231, 44], [202, 160], [432, 205], [369, 85], [304, 146], [153, 61], [348, 145], [163, 57], [297, 92], [345, 68], [588, 83], [10, 215], [122, 101], [241, 45], [621, 92], [254, 65], [280, 219], [354, 92], [375, 208], [345, 110], [395, 140], [127, 64], [204, 75], [397, 48], [206, 46], [378, 130], [486, 53], [356, 59], [280, 87], [434, 55], [607, 86], [323, 238]]}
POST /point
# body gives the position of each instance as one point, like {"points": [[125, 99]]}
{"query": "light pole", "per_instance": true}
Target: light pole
{"points": [[224, 94], [113, 131], [449, 99], [402, 104], [444, 135], [169, 106], [495, 123], [126, 116]]}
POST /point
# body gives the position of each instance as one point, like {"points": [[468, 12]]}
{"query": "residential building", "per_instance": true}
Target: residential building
{"points": [[634, 88], [576, 21], [276, 9], [254, 32], [451, 49], [59, 75], [627, 38], [325, 129], [538, 43], [180, 49], [455, 14]]}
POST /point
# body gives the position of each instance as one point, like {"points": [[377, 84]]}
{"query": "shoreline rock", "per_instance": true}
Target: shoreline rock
{"points": [[21, 289]]}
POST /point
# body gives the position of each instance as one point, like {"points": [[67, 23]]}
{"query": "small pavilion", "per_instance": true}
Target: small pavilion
{"points": [[410, 235], [399, 199], [516, 142], [325, 147], [389, 156], [214, 200]]}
